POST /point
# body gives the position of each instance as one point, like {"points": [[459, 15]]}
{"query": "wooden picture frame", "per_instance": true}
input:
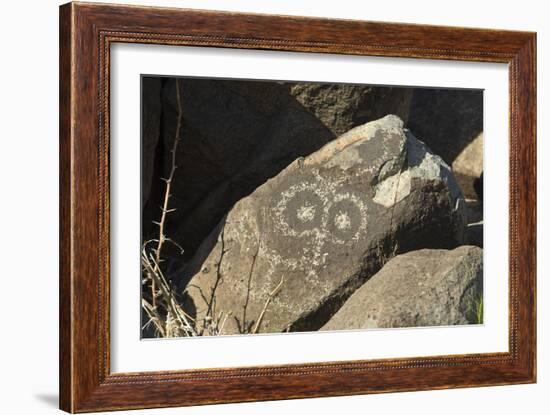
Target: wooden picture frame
{"points": [[86, 33]]}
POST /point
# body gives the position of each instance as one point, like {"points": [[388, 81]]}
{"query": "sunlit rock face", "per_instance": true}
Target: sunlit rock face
{"points": [[286, 257], [428, 287]]}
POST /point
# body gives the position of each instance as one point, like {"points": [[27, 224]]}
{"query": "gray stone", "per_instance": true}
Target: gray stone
{"points": [[468, 167], [341, 107], [320, 229], [419, 288], [238, 134], [470, 160]]}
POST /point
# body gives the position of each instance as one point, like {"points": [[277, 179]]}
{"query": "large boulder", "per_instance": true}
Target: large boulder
{"points": [[287, 256], [419, 288], [468, 169], [343, 106], [238, 134]]}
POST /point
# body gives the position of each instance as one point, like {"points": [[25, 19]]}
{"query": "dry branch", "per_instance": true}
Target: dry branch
{"points": [[272, 295], [167, 193]]}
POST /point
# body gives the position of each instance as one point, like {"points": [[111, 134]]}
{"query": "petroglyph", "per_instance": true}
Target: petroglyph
{"points": [[325, 224], [342, 221], [306, 213], [346, 218], [316, 210]]}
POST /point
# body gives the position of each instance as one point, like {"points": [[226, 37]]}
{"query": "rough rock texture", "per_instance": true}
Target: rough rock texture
{"points": [[468, 167], [470, 160], [238, 134], [419, 288], [341, 107], [446, 119], [321, 228]]}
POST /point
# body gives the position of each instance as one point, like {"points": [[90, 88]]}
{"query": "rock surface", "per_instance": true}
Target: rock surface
{"points": [[238, 134], [321, 228], [470, 160], [468, 167], [419, 288], [341, 107]]}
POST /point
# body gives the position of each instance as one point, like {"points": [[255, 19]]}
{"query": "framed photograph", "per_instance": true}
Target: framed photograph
{"points": [[258, 207]]}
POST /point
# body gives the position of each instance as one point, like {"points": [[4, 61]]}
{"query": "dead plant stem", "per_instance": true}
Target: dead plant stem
{"points": [[167, 194]]}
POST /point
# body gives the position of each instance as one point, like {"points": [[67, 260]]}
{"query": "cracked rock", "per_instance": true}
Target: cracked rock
{"points": [[286, 257]]}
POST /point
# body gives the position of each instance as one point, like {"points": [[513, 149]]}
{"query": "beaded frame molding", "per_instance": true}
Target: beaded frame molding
{"points": [[86, 34]]}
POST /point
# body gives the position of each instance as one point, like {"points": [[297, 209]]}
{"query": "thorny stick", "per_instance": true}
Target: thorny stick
{"points": [[167, 194]]}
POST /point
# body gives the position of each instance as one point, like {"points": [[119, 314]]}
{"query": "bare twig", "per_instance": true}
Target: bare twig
{"points": [[249, 285], [174, 310], [164, 310], [153, 317], [220, 328], [167, 194], [272, 295], [211, 304]]}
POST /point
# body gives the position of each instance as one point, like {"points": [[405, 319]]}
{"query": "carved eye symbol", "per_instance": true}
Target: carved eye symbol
{"points": [[306, 213], [344, 219], [303, 212]]}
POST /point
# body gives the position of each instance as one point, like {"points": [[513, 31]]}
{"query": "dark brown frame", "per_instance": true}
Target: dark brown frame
{"points": [[86, 33]]}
